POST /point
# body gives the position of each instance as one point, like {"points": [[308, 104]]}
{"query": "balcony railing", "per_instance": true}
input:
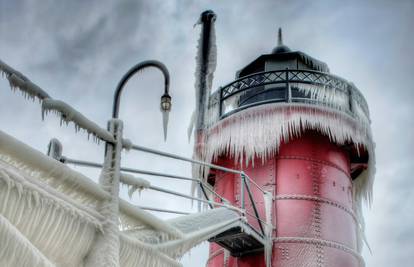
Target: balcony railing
{"points": [[289, 86]]}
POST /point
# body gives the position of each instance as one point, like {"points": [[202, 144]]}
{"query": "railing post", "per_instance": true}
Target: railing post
{"points": [[205, 195], [288, 91], [256, 212], [105, 251], [220, 101], [350, 99]]}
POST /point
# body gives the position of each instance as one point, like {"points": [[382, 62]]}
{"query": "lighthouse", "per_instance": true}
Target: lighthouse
{"points": [[299, 133]]}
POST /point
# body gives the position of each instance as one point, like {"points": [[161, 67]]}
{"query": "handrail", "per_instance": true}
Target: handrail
{"points": [[245, 181], [163, 210], [224, 203], [159, 174], [174, 156]]}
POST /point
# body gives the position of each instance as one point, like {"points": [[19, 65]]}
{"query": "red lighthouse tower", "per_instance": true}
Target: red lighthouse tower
{"points": [[303, 135]]}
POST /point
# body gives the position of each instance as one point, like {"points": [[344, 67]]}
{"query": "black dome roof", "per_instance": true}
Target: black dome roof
{"points": [[279, 54]]}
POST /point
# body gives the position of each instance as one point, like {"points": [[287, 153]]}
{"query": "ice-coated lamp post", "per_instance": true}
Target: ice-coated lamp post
{"points": [[107, 246], [165, 99]]}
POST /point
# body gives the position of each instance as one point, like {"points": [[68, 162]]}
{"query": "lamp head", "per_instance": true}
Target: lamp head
{"points": [[165, 103], [165, 109]]}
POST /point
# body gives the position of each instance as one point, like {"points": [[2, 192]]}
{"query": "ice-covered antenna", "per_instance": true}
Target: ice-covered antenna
{"points": [[279, 37], [165, 98]]}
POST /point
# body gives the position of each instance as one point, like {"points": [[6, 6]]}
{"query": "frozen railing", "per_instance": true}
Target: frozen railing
{"points": [[290, 86], [245, 183]]}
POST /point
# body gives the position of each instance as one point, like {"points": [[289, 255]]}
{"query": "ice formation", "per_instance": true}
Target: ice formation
{"points": [[18, 80], [134, 183], [16, 250], [53, 216], [68, 114], [205, 66]]}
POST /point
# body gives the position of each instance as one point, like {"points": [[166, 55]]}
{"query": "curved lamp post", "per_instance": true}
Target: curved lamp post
{"points": [[165, 98]]}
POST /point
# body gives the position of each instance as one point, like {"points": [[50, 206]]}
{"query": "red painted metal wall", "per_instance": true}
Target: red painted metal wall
{"points": [[315, 225]]}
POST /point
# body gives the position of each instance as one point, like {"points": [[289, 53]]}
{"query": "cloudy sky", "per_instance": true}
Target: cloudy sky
{"points": [[78, 50]]}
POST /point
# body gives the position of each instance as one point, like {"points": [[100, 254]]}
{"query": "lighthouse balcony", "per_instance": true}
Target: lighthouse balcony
{"points": [[295, 86]]}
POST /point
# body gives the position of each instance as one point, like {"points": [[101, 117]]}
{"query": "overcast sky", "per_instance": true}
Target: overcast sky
{"points": [[78, 50]]}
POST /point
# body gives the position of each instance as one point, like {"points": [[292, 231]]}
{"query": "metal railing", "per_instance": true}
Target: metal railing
{"points": [[281, 84], [245, 185], [245, 182]]}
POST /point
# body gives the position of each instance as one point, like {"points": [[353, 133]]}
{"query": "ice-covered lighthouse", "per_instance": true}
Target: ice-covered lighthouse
{"points": [[294, 130]]}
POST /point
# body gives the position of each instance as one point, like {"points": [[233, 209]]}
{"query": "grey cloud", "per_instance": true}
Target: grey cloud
{"points": [[78, 50]]}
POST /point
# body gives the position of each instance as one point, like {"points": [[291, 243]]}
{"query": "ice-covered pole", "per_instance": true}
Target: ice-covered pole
{"points": [[205, 67], [105, 251]]}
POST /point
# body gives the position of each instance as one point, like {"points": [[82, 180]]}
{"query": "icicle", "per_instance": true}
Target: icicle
{"points": [[68, 114], [18, 81], [165, 116], [191, 125], [134, 183]]}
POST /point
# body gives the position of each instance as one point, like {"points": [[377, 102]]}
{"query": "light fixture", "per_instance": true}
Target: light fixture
{"points": [[165, 109]]}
